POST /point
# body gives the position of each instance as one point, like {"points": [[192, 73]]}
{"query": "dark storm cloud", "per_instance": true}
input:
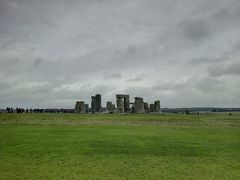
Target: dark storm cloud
{"points": [[53, 53], [226, 16], [195, 29]]}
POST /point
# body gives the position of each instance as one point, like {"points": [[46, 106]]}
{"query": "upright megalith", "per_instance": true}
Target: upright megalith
{"points": [[157, 106], [146, 108], [127, 104], [93, 104], [120, 105], [113, 107], [123, 103], [151, 107], [80, 107], [110, 107], [139, 105], [133, 109], [87, 108], [96, 103]]}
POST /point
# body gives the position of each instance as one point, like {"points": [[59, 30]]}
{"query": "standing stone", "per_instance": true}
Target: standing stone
{"points": [[123, 103], [133, 109], [93, 104], [87, 108], [127, 104], [146, 108], [120, 105], [139, 105], [151, 107], [157, 106], [109, 106], [98, 103], [113, 107], [80, 107], [77, 107]]}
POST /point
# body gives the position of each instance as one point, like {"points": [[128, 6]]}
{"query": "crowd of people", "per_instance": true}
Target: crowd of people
{"points": [[10, 109], [22, 110]]}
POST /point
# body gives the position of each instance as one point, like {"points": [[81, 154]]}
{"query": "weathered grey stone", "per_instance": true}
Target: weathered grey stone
{"points": [[123, 103], [157, 106], [110, 107], [93, 104], [96, 103], [127, 104], [80, 107], [139, 105], [113, 107], [151, 107], [120, 105], [122, 96], [87, 108], [146, 108], [133, 108]]}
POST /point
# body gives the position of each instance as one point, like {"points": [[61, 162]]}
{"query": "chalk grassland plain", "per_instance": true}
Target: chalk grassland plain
{"points": [[111, 146]]}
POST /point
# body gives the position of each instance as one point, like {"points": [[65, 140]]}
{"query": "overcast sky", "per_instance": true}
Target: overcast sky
{"points": [[182, 52]]}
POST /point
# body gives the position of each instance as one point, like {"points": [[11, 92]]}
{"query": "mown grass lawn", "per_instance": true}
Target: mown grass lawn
{"points": [[70, 146]]}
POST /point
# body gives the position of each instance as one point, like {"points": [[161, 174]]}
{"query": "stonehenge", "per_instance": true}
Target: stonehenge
{"points": [[80, 107], [151, 107], [146, 108], [139, 105], [123, 105], [87, 108], [110, 107], [157, 106], [93, 104], [96, 103]]}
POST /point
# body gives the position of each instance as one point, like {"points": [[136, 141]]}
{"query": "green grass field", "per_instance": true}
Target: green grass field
{"points": [[110, 146]]}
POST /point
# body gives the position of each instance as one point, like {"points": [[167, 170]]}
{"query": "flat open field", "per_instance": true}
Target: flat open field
{"points": [[110, 146]]}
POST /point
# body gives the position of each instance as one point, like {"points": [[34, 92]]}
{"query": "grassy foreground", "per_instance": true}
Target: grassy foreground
{"points": [[71, 146]]}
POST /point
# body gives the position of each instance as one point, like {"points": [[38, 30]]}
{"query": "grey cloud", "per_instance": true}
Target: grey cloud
{"points": [[226, 16], [112, 76], [195, 29], [38, 61], [45, 94], [221, 14], [4, 85], [139, 91], [224, 70], [55, 52], [207, 60], [136, 79], [169, 86], [211, 85], [235, 49]]}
